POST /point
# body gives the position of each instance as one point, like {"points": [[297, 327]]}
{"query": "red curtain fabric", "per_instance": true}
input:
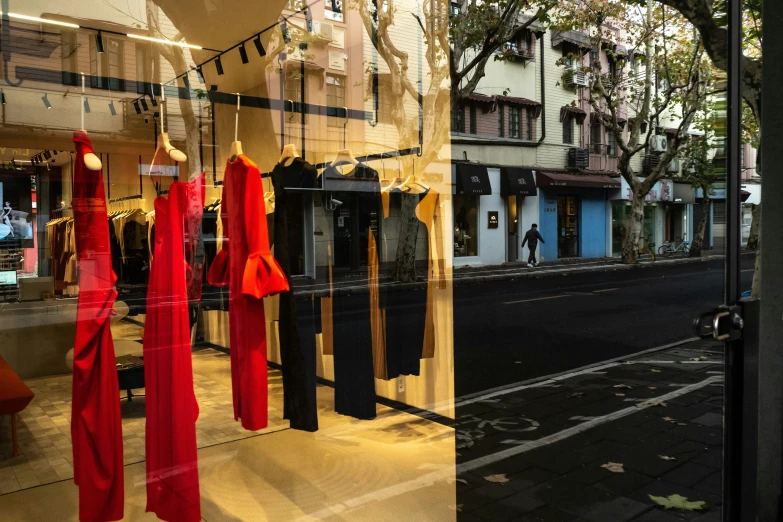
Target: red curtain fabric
{"points": [[96, 428], [246, 265], [172, 461]]}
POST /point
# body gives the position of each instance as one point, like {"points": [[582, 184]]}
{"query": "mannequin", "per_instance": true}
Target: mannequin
{"points": [[289, 155]]}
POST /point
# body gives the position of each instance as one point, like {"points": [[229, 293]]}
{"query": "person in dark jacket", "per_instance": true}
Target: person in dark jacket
{"points": [[532, 237]]}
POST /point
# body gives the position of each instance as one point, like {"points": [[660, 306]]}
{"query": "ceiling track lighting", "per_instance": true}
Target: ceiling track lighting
{"points": [[136, 106], [2, 97], [86, 106], [47, 154], [219, 66], [99, 42], [165, 42], [112, 109], [243, 53], [144, 104], [153, 100], [40, 20], [259, 46], [45, 100]]}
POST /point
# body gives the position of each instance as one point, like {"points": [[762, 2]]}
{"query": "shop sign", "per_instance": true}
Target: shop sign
{"points": [[492, 219], [661, 191], [719, 193], [170, 171]]}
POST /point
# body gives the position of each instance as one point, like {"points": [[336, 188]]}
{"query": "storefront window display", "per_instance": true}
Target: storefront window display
{"points": [[621, 215], [203, 230], [466, 231]]}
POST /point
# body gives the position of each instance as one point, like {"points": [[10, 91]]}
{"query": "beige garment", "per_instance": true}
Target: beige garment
{"points": [[70, 267], [427, 212], [327, 335]]}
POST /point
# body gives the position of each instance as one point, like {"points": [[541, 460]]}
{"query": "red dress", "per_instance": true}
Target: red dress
{"points": [[246, 265], [172, 462], [96, 427]]}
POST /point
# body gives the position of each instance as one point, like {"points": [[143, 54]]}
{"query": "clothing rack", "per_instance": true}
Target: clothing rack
{"points": [[126, 198]]}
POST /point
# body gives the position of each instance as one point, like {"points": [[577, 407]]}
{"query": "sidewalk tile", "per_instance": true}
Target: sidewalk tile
{"points": [[549, 514], [711, 484], [658, 515], [711, 419], [662, 488], [712, 458], [624, 483], [511, 508], [570, 495], [688, 474], [620, 509]]}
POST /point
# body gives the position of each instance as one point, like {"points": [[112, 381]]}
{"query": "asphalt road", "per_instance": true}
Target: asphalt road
{"points": [[510, 331]]}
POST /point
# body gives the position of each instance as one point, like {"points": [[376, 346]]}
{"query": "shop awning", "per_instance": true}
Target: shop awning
{"points": [[684, 193], [574, 37], [515, 181], [574, 112], [473, 180], [564, 179], [522, 102]]}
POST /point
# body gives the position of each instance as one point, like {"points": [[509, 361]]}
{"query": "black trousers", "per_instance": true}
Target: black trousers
{"points": [[532, 257]]}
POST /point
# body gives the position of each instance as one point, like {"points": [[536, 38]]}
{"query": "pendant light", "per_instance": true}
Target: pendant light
{"points": [[144, 104], [2, 97], [136, 106]]}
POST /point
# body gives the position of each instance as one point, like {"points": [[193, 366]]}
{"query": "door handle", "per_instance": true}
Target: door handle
{"points": [[722, 324]]}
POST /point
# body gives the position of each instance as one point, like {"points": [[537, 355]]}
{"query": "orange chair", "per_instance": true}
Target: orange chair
{"points": [[14, 397]]}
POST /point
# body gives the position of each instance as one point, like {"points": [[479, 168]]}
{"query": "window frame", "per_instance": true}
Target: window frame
{"points": [[458, 119], [568, 129], [101, 76], [473, 124], [69, 41], [333, 100], [292, 78], [514, 122], [529, 124], [501, 121]]}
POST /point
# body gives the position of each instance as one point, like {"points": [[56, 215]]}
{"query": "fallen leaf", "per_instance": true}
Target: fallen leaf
{"points": [[678, 502], [614, 467], [500, 478], [623, 386], [666, 457], [619, 395], [655, 371], [517, 362], [656, 403], [576, 394], [681, 424], [652, 388], [669, 419]]}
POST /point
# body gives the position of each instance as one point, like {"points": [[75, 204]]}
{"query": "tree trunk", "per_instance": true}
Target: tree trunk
{"points": [[755, 291], [635, 225], [697, 246], [755, 229], [405, 260]]}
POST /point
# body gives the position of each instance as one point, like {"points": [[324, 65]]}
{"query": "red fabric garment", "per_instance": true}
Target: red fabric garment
{"points": [[172, 460], [246, 265], [96, 428], [194, 253]]}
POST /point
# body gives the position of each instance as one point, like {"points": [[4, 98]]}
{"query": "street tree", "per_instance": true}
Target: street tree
{"points": [[701, 171], [661, 76], [460, 38]]}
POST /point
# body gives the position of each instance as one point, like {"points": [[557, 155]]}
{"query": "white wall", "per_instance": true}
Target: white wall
{"points": [[528, 214]]}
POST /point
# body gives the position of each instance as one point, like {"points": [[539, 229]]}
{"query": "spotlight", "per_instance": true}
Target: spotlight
{"points": [[186, 81], [2, 97], [45, 100], [200, 74], [112, 109], [243, 53], [153, 100], [219, 66], [136, 106], [259, 46], [86, 106], [144, 104], [47, 155], [99, 42]]}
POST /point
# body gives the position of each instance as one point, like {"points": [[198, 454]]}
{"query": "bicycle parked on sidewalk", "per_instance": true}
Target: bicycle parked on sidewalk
{"points": [[670, 248], [648, 247]]}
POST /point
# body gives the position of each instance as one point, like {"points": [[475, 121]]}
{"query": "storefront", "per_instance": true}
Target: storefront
{"points": [[471, 187], [659, 202], [191, 300], [573, 214], [518, 187], [678, 213]]}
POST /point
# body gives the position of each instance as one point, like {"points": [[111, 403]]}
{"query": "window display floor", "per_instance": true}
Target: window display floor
{"points": [[348, 470]]}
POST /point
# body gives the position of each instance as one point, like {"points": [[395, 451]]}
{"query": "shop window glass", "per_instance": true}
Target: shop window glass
{"points": [[466, 225], [513, 124]]}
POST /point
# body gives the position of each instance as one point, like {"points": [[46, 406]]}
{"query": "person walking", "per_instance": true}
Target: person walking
{"points": [[532, 237]]}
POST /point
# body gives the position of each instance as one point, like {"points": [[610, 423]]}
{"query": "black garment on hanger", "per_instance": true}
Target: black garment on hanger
{"points": [[297, 336], [354, 379], [406, 312]]}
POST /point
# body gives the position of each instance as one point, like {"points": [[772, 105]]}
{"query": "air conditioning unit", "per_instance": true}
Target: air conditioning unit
{"points": [[674, 165], [649, 163], [323, 30], [659, 143], [576, 77], [578, 158]]}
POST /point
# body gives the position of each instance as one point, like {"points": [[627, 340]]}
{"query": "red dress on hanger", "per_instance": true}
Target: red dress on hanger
{"points": [[246, 265], [96, 427], [172, 461]]}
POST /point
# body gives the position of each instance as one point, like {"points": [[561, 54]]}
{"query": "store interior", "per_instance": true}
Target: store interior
{"points": [[191, 131]]}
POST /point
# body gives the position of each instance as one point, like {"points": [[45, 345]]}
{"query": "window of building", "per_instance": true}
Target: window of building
{"points": [[529, 125], [106, 68], [293, 93], [473, 126], [335, 97], [596, 136], [522, 45], [466, 225], [501, 120], [568, 130], [513, 124], [458, 119], [333, 10], [571, 53], [144, 68], [385, 100], [612, 71], [611, 144], [69, 56]]}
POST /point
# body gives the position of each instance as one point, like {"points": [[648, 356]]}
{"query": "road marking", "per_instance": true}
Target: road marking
{"points": [[674, 362], [449, 472], [536, 299], [605, 290]]}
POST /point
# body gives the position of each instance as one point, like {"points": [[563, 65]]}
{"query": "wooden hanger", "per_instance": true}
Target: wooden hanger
{"points": [[164, 144], [236, 145], [289, 155]]}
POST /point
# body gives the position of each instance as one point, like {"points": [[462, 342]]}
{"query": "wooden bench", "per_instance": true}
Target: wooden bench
{"points": [[14, 398]]}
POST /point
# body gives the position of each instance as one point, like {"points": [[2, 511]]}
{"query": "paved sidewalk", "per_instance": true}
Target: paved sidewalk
{"points": [[535, 452]]}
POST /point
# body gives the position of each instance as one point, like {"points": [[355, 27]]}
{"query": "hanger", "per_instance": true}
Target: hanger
{"points": [[344, 157], [236, 145], [163, 138], [91, 161], [409, 185], [289, 155]]}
